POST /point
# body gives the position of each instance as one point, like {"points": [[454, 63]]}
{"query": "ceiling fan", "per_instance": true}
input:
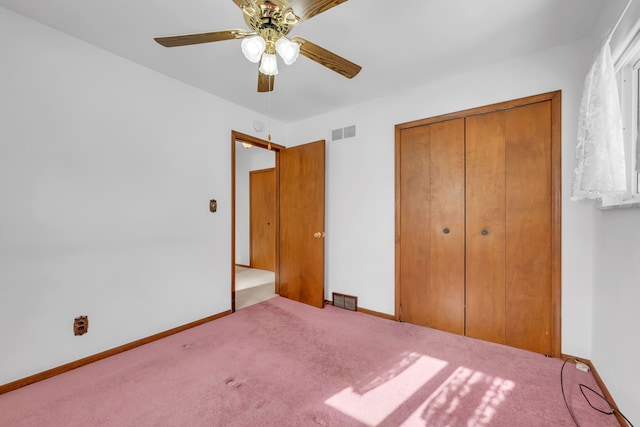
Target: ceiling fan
{"points": [[270, 21]]}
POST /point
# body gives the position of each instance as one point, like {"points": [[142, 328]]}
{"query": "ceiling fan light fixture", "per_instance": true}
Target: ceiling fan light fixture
{"points": [[288, 50], [253, 47], [269, 65], [269, 23]]}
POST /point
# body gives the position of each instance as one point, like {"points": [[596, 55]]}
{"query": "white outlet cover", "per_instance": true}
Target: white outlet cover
{"points": [[582, 366]]}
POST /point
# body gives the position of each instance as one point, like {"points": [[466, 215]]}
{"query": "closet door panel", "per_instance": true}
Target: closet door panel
{"points": [[414, 229], [485, 226], [446, 281], [528, 232]]}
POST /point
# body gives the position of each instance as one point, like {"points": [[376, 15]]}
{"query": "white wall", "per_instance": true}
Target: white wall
{"points": [[360, 182], [615, 313], [247, 160], [617, 268], [106, 170]]}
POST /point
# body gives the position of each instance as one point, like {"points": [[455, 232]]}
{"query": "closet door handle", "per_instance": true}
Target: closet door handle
{"points": [[446, 231], [484, 232]]}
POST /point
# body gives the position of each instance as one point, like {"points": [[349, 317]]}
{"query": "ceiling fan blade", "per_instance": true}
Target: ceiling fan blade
{"points": [[187, 39], [307, 9], [328, 59], [265, 82]]}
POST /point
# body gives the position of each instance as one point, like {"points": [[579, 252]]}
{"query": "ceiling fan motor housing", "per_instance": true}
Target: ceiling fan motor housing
{"points": [[271, 21]]}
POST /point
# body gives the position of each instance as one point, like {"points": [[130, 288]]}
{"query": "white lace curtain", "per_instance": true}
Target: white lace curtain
{"points": [[600, 164]]}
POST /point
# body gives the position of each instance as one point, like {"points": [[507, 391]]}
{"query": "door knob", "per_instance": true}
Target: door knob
{"points": [[318, 235]]}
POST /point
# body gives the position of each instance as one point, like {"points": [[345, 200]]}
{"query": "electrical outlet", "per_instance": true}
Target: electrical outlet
{"points": [[80, 325]]}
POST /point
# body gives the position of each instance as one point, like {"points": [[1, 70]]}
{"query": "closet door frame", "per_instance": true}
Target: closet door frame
{"points": [[556, 196]]}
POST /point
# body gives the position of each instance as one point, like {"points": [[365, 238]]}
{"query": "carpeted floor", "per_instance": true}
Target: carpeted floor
{"points": [[282, 363]]}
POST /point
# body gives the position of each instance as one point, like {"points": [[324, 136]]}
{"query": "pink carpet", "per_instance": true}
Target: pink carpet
{"points": [[281, 363]]}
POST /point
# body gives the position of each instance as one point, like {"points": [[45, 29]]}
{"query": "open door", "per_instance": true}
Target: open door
{"points": [[301, 188]]}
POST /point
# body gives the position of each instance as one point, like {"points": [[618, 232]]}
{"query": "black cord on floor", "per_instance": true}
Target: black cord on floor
{"points": [[573, 417], [614, 409]]}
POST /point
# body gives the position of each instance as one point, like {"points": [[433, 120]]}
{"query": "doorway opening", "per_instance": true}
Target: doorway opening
{"points": [[255, 207]]}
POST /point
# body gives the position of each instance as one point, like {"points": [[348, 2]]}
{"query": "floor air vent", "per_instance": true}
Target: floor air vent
{"points": [[345, 301]]}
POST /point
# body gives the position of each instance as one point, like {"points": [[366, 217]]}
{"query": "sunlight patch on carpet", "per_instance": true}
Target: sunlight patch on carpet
{"points": [[467, 397], [377, 403]]}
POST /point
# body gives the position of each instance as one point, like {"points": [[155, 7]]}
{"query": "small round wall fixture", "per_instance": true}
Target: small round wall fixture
{"points": [[258, 126]]}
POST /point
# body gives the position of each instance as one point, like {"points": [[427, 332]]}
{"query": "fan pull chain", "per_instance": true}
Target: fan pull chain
{"points": [[269, 114]]}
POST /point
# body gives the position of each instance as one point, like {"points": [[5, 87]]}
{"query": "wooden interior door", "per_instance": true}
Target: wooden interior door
{"points": [[431, 226], [528, 231], [447, 252], [508, 287], [413, 229], [262, 219], [302, 209], [485, 216]]}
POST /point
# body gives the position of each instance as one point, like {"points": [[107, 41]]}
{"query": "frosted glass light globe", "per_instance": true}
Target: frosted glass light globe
{"points": [[287, 50], [268, 65], [252, 48]]}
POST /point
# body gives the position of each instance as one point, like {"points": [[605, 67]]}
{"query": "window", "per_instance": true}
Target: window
{"points": [[628, 75]]}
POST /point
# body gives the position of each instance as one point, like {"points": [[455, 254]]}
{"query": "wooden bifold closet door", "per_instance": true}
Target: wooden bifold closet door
{"points": [[477, 223], [432, 208]]}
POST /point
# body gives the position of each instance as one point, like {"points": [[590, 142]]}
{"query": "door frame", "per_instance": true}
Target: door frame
{"points": [[262, 144], [556, 197]]}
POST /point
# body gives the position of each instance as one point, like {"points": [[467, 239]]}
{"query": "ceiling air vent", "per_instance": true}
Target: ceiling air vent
{"points": [[345, 301]]}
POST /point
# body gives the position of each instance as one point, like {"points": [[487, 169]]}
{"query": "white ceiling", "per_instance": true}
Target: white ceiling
{"points": [[399, 44]]}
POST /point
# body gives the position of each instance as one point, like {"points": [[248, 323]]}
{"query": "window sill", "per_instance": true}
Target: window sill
{"points": [[621, 202]]}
